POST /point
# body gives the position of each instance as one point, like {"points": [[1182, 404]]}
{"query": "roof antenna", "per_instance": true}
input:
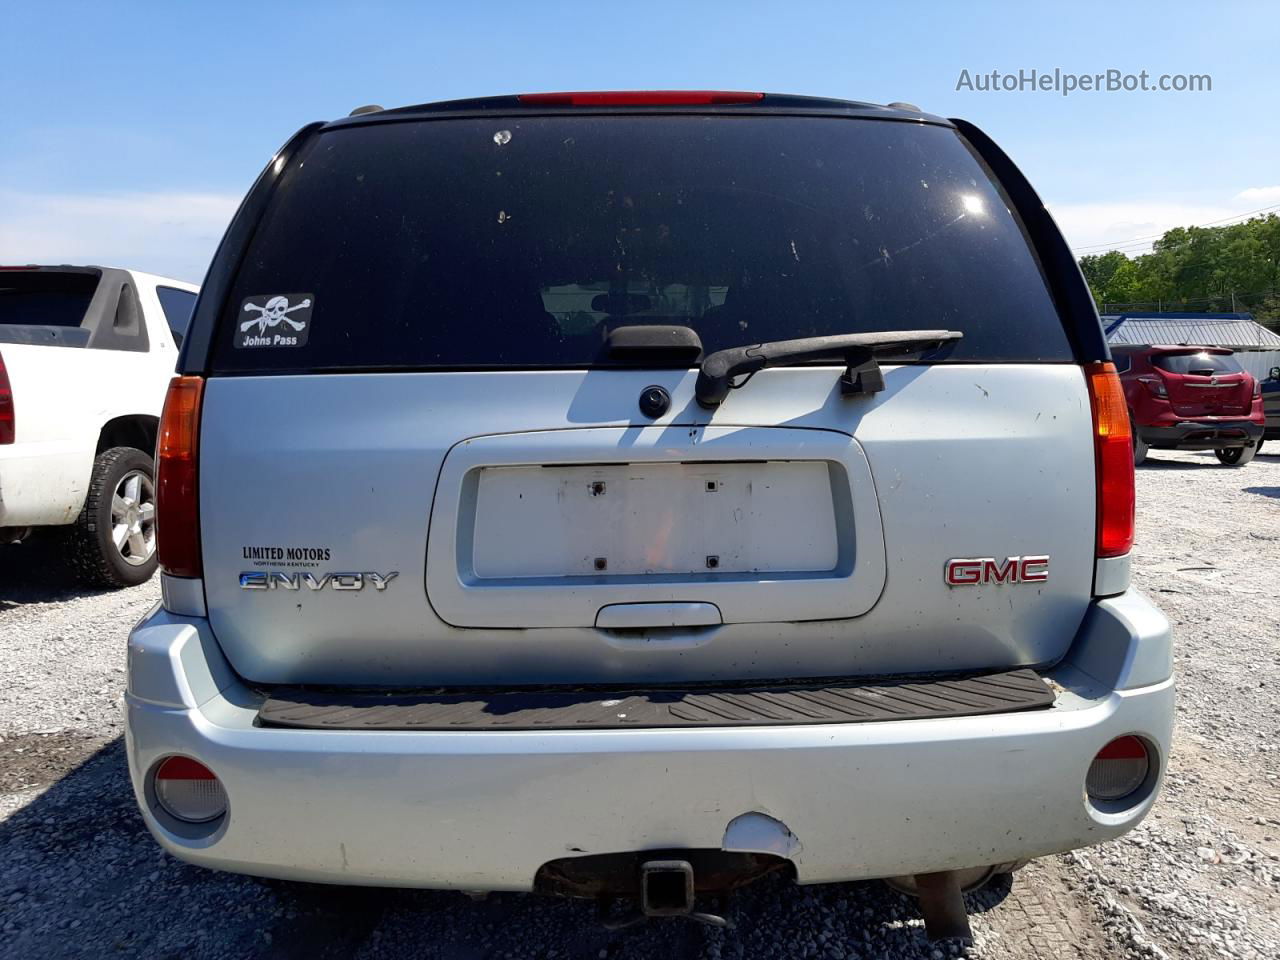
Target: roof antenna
{"points": [[367, 108], [903, 105]]}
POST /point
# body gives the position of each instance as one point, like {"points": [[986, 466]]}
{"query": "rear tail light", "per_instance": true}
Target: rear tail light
{"points": [[177, 463], [188, 791], [638, 98], [1113, 456], [8, 424], [1119, 769], [1155, 386], [1257, 385]]}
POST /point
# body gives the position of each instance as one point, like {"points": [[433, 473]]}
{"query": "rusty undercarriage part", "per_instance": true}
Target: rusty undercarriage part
{"points": [[592, 876], [658, 883], [942, 906], [971, 879]]}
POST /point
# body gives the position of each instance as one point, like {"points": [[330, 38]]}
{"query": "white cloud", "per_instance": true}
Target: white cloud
{"points": [[171, 233], [1094, 227], [1259, 196], [1132, 226]]}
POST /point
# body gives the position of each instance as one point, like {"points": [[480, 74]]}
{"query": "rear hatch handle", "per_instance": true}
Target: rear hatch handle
{"points": [[651, 616], [856, 350]]}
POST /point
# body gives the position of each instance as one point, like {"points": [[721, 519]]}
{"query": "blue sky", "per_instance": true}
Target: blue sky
{"points": [[131, 130]]}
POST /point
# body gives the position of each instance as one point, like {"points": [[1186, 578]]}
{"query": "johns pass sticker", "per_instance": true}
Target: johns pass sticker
{"points": [[274, 320]]}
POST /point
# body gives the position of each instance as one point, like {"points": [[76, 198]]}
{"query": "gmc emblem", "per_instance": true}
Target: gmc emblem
{"points": [[966, 572]]}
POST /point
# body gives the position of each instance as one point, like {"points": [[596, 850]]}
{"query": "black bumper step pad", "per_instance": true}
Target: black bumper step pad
{"points": [[868, 701]]}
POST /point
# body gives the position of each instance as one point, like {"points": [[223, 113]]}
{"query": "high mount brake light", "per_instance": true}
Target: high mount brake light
{"points": [[8, 421], [177, 467], [1113, 457], [638, 98]]}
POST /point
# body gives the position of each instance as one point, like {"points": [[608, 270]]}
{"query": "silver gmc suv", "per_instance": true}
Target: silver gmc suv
{"points": [[629, 495]]}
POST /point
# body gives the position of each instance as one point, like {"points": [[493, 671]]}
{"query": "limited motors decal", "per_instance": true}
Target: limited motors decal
{"points": [[971, 571], [293, 555], [274, 320]]}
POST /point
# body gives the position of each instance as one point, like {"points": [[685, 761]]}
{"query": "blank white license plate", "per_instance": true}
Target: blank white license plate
{"points": [[654, 518]]}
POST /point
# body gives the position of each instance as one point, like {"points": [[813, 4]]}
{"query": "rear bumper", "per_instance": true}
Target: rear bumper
{"points": [[484, 810], [1205, 434], [43, 484]]}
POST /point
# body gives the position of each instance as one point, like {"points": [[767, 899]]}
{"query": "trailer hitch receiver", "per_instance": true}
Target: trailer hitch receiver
{"points": [[666, 888]]}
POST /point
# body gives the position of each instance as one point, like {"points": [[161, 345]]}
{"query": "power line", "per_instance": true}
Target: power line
{"points": [[1142, 241], [1176, 301], [1156, 236], [1208, 299]]}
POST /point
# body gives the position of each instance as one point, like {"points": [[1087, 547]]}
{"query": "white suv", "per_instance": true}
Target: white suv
{"points": [[629, 495]]}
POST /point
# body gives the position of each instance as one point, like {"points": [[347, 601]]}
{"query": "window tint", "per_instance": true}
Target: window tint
{"points": [[177, 306], [1123, 362], [522, 241], [1197, 363], [45, 298]]}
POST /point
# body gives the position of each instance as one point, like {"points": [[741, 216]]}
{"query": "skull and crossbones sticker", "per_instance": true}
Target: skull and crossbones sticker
{"points": [[277, 320]]}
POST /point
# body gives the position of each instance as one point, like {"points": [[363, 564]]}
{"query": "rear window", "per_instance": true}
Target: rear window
{"points": [[499, 242], [45, 298], [1198, 363], [177, 306]]}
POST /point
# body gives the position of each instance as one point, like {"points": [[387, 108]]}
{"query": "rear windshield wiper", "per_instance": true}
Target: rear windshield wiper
{"points": [[856, 350]]}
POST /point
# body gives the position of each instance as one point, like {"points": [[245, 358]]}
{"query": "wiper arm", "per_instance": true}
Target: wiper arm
{"points": [[856, 350]]}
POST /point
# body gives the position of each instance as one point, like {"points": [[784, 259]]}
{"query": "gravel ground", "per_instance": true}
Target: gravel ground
{"points": [[80, 877]]}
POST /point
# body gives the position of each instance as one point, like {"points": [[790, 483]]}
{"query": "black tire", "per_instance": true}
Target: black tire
{"points": [[1235, 456], [1257, 447], [91, 550], [1139, 449]]}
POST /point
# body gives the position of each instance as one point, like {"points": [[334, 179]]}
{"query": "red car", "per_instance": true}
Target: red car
{"points": [[1191, 398]]}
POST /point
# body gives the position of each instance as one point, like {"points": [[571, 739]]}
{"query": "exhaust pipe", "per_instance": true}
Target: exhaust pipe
{"points": [[942, 906]]}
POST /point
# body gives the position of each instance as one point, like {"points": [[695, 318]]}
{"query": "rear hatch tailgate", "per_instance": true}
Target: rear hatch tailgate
{"points": [[425, 466], [844, 575], [1204, 383]]}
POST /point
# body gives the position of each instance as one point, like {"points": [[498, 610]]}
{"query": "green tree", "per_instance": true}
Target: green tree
{"points": [[1200, 269], [1099, 268]]}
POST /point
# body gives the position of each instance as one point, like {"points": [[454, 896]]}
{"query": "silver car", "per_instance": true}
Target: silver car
{"points": [[627, 496]]}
